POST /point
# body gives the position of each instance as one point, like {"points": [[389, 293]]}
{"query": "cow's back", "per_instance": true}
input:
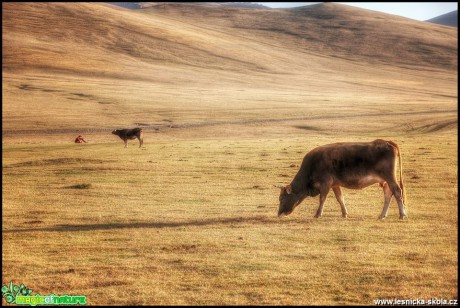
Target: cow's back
{"points": [[348, 158], [133, 133]]}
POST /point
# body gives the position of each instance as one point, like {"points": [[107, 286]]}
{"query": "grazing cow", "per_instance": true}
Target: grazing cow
{"points": [[126, 134], [352, 165]]}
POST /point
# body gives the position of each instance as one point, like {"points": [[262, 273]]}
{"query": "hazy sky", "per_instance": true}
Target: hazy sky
{"points": [[414, 10]]}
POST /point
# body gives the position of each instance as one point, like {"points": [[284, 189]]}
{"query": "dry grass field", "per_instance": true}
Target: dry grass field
{"points": [[230, 105]]}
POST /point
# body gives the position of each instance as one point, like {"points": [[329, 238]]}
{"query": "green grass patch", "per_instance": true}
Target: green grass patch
{"points": [[80, 186]]}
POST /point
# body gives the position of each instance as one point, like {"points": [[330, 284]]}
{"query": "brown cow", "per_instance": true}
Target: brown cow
{"points": [[126, 134], [352, 165]]}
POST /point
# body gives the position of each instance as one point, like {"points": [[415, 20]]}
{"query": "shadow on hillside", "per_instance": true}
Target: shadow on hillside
{"points": [[154, 225]]}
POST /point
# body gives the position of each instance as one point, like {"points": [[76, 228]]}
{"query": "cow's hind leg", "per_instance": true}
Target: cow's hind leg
{"points": [[339, 197], [391, 188], [126, 142], [141, 138], [387, 194], [396, 190]]}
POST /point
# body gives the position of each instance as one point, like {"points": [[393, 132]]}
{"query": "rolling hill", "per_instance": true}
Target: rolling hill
{"points": [[330, 29], [230, 100], [448, 19], [74, 65], [141, 5]]}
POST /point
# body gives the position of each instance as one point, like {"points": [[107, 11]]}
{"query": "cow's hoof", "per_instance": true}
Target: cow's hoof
{"points": [[344, 216], [382, 217], [317, 216], [402, 217]]}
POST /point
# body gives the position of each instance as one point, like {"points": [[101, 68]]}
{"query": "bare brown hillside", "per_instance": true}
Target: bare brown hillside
{"points": [[333, 30], [96, 38], [87, 65], [230, 101]]}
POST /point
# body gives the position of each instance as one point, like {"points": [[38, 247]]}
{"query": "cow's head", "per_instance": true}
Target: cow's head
{"points": [[115, 132], [288, 201]]}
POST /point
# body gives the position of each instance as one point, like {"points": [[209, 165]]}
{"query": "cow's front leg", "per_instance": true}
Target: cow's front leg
{"points": [[126, 143], [322, 200], [339, 197]]}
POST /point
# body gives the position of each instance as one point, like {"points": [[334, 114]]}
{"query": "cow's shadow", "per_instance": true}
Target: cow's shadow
{"points": [[150, 225]]}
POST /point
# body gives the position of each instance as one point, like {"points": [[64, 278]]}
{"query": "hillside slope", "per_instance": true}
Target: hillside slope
{"points": [[331, 29], [448, 19], [73, 65], [35, 34], [101, 39]]}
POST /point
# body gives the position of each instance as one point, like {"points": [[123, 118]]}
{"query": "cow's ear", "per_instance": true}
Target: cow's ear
{"points": [[289, 189]]}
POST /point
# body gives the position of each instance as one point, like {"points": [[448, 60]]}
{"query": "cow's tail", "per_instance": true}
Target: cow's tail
{"points": [[403, 191], [401, 184]]}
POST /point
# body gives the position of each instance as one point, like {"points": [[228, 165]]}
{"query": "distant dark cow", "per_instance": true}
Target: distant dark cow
{"points": [[130, 134], [352, 165]]}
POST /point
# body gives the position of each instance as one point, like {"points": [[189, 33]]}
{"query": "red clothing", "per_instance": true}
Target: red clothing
{"points": [[80, 139]]}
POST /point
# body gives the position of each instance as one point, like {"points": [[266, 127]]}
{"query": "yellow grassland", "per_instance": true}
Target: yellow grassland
{"points": [[228, 112]]}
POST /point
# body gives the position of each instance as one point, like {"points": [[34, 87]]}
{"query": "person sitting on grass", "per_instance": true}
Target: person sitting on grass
{"points": [[80, 139]]}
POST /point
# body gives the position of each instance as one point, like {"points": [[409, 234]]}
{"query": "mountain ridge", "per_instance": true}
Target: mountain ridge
{"points": [[448, 19], [328, 27], [318, 29], [183, 63]]}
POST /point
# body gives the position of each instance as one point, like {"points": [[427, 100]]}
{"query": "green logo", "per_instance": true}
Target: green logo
{"points": [[21, 295]]}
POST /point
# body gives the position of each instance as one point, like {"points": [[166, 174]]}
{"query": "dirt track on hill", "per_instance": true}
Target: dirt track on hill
{"points": [[217, 123]]}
